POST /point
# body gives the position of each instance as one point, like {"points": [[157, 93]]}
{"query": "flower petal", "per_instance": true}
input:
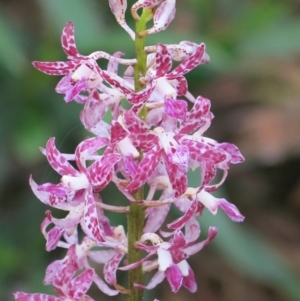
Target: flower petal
{"points": [[193, 249], [88, 147], [70, 222], [104, 287], [155, 280], [189, 281], [68, 40], [174, 277], [178, 240], [52, 236], [118, 133], [163, 16], [176, 108], [198, 117], [76, 289], [48, 198], [231, 210], [110, 268], [20, 296], [100, 172], [52, 269], [163, 60], [192, 230], [236, 156], [72, 91], [156, 217], [176, 165], [138, 132], [190, 63], [118, 8], [180, 222], [145, 169], [58, 161], [117, 82], [136, 264], [55, 68], [141, 97], [164, 257], [180, 84], [90, 226]]}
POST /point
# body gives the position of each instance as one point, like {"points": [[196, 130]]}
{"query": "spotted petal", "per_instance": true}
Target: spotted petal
{"points": [[138, 132], [236, 156], [52, 236], [100, 172], [163, 16], [180, 222], [140, 97], [162, 60], [70, 89], [118, 8], [145, 169], [76, 289], [198, 117], [68, 40], [58, 161], [46, 197], [175, 108], [91, 225], [20, 296], [190, 63], [86, 148], [176, 165], [110, 268]]}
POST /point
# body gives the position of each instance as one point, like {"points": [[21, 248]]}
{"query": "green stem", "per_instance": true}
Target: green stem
{"points": [[140, 67], [135, 225], [136, 216]]}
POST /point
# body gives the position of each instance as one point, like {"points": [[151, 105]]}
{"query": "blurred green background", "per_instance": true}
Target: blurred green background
{"points": [[253, 81]]}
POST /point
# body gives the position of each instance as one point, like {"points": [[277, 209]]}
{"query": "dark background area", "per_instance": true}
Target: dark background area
{"points": [[253, 82]]}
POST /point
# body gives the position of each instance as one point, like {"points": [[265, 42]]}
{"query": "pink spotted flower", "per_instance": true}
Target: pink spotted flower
{"points": [[81, 73], [79, 184], [171, 259], [73, 290]]}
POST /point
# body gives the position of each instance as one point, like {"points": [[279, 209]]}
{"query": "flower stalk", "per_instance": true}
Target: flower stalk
{"points": [[140, 54], [136, 215], [135, 225]]}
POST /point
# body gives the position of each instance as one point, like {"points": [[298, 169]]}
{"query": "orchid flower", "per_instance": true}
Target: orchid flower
{"points": [[171, 261], [84, 181], [72, 290], [81, 73]]}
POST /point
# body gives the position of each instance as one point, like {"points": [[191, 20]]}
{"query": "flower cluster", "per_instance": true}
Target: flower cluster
{"points": [[154, 143]]}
